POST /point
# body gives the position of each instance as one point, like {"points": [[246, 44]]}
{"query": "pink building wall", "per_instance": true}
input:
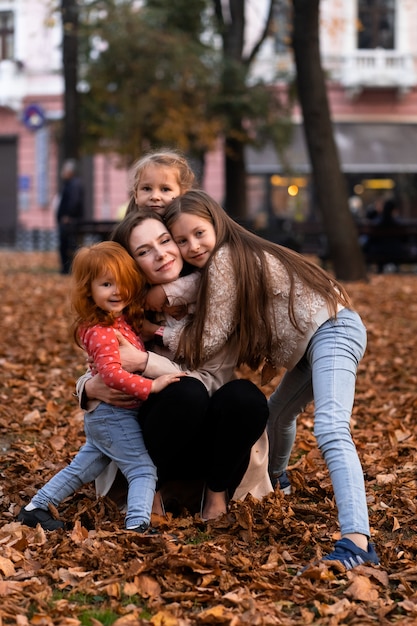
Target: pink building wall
{"points": [[373, 104], [38, 48], [110, 191]]}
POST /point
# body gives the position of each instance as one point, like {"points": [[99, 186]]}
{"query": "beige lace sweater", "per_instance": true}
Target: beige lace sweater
{"points": [[290, 344]]}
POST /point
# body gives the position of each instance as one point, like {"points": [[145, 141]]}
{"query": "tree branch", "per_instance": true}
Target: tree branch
{"points": [[248, 60]]}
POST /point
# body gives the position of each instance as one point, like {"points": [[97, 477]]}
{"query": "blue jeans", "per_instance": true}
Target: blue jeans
{"points": [[327, 375], [112, 433]]}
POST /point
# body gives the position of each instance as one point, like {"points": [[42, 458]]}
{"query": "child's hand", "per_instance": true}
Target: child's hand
{"points": [[155, 299], [163, 381], [177, 311]]}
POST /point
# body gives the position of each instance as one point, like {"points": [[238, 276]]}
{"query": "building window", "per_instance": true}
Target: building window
{"points": [[282, 26], [6, 35], [375, 25]]}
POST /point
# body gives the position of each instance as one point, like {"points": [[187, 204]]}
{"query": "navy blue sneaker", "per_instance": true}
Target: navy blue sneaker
{"points": [[283, 482], [350, 555], [39, 516]]}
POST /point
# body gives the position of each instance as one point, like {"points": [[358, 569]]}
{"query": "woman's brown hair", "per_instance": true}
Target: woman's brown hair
{"points": [[253, 323]]}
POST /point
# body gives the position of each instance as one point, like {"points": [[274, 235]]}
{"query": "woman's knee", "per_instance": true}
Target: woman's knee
{"points": [[185, 395], [243, 399]]}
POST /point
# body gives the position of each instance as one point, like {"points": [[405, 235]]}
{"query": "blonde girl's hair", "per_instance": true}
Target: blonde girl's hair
{"points": [[92, 262], [165, 158], [253, 323]]}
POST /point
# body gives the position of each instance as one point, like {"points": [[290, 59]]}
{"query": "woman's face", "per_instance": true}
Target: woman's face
{"points": [[155, 252]]}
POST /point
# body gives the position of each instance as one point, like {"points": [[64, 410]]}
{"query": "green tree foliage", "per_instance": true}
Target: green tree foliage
{"points": [[174, 73], [150, 82], [250, 111]]}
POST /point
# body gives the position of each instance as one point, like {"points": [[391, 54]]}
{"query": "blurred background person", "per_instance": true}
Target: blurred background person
{"points": [[70, 212]]}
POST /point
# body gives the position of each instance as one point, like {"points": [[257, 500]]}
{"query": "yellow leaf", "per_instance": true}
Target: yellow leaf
{"points": [[163, 618], [113, 590], [214, 615]]}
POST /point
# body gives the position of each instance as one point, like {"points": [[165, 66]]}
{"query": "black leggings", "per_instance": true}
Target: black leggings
{"points": [[192, 436]]}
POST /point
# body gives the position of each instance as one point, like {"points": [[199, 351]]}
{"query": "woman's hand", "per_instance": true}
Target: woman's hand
{"points": [[133, 360], [96, 389], [155, 299]]}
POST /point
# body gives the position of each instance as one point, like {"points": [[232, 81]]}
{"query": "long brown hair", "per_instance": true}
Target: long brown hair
{"points": [[253, 325], [90, 263]]}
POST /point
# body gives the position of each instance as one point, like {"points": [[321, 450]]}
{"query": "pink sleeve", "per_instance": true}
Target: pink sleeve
{"points": [[102, 346]]}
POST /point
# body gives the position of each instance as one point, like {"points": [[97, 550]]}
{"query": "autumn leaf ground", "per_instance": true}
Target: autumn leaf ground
{"points": [[240, 570]]}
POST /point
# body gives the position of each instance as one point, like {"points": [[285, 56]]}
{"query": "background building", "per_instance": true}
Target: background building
{"points": [[31, 110], [369, 53]]}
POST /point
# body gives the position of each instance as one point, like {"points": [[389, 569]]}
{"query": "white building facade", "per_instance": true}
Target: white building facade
{"points": [[369, 52], [31, 112]]}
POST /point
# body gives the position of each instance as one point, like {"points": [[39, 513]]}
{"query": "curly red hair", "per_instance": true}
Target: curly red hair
{"points": [[91, 262]]}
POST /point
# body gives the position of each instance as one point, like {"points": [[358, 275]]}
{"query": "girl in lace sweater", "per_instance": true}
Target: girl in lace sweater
{"points": [[283, 311]]}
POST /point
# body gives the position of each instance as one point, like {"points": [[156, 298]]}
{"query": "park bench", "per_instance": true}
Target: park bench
{"points": [[95, 230], [389, 245], [394, 244], [309, 238]]}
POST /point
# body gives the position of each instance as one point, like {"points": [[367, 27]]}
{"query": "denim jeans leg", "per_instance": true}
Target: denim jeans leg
{"points": [[334, 353], [117, 433], [285, 404], [85, 467]]}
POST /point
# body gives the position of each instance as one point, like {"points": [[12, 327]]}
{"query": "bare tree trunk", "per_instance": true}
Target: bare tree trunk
{"points": [[233, 80], [70, 134], [231, 17], [235, 201], [329, 182]]}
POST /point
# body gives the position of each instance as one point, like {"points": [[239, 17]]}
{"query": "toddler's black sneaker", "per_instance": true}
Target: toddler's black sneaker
{"points": [[283, 482], [142, 528], [39, 516]]}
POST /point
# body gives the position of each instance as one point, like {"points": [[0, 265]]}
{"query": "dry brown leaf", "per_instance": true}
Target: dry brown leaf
{"points": [[362, 588], [242, 570], [164, 618], [7, 567], [147, 586], [131, 619]]}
